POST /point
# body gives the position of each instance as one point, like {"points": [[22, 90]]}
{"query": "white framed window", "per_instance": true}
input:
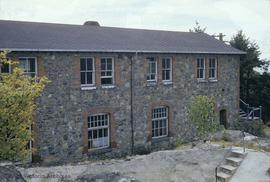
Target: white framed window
{"points": [[98, 131], [212, 68], [160, 122], [5, 68], [107, 71], [152, 69], [29, 65], [167, 69], [200, 68], [87, 69]]}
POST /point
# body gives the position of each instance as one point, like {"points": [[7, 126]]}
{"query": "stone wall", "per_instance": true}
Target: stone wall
{"points": [[61, 133]]}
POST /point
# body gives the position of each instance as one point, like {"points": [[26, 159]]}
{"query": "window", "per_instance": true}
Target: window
{"points": [[200, 68], [5, 68], [87, 71], [98, 131], [159, 122], [107, 71], [152, 70], [29, 65], [166, 69], [212, 68]]}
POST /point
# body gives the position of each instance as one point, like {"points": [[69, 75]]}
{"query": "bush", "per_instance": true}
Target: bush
{"points": [[202, 113], [253, 127]]}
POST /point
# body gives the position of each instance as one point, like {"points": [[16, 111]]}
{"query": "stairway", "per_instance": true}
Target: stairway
{"points": [[249, 113], [231, 164]]}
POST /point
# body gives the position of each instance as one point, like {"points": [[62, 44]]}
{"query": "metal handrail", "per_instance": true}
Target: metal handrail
{"points": [[250, 111], [227, 153]]}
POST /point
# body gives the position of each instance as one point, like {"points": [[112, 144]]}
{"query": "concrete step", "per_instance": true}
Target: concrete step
{"points": [[235, 161], [223, 177], [239, 153], [228, 169]]}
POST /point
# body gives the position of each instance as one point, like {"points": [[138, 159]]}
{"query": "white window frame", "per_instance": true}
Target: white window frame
{"points": [[212, 68], [112, 76], [200, 68], [107, 145], [149, 59], [157, 119], [27, 58], [166, 69], [86, 71]]}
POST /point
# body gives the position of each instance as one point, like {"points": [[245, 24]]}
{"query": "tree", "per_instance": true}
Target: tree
{"points": [[17, 104], [254, 85], [202, 113], [197, 28]]}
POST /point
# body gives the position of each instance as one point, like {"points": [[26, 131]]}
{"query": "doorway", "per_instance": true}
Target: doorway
{"points": [[223, 118]]}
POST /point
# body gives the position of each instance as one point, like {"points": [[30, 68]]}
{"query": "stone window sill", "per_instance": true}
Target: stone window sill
{"points": [[99, 151], [213, 80], [167, 82], [201, 80], [151, 83], [160, 139], [108, 86], [88, 87]]}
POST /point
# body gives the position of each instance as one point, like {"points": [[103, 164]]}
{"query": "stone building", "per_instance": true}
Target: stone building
{"points": [[115, 91]]}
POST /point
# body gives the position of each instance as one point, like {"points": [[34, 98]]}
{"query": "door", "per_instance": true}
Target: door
{"points": [[223, 118]]}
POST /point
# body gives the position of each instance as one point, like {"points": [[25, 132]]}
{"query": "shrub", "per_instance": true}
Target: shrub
{"points": [[202, 113], [253, 127]]}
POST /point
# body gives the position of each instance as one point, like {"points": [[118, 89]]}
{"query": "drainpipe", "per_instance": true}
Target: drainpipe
{"points": [[131, 102]]}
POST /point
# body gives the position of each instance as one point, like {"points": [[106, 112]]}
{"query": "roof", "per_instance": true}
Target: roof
{"points": [[33, 36]]}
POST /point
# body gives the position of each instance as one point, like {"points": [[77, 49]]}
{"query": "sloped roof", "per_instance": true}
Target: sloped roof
{"points": [[32, 36]]}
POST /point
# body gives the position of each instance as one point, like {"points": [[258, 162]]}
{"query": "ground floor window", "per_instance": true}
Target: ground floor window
{"points": [[98, 131], [159, 122]]}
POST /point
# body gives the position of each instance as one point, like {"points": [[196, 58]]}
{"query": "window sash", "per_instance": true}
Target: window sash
{"points": [[152, 69], [98, 142], [166, 69], [26, 63], [159, 122], [5, 68], [85, 80], [200, 68], [212, 68], [107, 73]]}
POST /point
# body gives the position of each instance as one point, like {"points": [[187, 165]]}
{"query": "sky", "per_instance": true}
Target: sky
{"points": [[219, 16]]}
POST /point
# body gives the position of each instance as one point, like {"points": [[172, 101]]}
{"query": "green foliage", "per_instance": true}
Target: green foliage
{"points": [[197, 28], [17, 95], [254, 85], [255, 127], [202, 113]]}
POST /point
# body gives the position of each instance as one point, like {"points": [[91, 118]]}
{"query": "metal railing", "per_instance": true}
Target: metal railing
{"points": [[251, 112]]}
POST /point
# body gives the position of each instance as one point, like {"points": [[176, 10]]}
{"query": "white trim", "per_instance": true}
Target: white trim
{"points": [[161, 118], [112, 76], [155, 60], [200, 68], [119, 50], [36, 67], [215, 59], [88, 87], [170, 58], [93, 72]]}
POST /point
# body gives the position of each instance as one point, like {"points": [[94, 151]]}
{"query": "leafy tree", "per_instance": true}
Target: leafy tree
{"points": [[17, 104], [197, 28], [202, 113], [254, 85]]}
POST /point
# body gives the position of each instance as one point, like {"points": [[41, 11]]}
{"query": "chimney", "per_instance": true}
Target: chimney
{"points": [[91, 23], [220, 36]]}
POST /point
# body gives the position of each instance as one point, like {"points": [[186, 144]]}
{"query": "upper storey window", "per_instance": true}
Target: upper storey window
{"points": [[152, 70], [200, 68], [167, 69], [212, 68], [87, 66], [29, 65], [107, 71]]}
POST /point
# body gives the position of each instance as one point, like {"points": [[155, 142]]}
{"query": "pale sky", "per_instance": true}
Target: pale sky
{"points": [[226, 16]]}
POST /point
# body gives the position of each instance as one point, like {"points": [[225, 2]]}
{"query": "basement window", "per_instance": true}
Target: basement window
{"points": [[159, 122], [98, 131], [212, 69], [152, 70], [200, 68], [87, 68], [107, 71], [29, 65]]}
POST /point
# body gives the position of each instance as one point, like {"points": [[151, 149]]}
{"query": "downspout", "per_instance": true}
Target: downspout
{"points": [[131, 103]]}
